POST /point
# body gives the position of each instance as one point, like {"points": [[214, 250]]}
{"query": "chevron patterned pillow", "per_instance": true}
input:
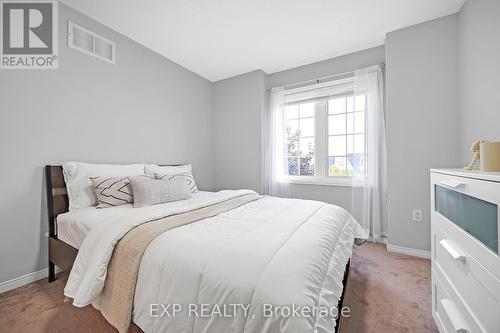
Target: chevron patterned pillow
{"points": [[112, 191], [187, 175]]}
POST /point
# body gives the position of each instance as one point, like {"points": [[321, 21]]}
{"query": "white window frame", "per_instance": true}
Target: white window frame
{"points": [[314, 136], [365, 133], [321, 177]]}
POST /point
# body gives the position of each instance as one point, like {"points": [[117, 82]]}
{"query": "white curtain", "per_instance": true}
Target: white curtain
{"points": [[369, 186], [274, 143], [368, 198]]}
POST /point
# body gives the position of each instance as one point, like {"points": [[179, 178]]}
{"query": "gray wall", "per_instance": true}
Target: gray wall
{"points": [[422, 121], [143, 109], [433, 70], [338, 65], [479, 84], [337, 195], [239, 103], [147, 108]]}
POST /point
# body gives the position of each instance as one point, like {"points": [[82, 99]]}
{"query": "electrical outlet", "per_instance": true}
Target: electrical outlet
{"points": [[417, 215]]}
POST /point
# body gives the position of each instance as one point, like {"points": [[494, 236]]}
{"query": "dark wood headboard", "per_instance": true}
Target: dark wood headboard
{"points": [[57, 197]]}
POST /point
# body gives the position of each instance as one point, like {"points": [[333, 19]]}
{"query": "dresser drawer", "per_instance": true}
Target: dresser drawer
{"points": [[450, 315], [476, 288], [445, 311], [468, 211]]}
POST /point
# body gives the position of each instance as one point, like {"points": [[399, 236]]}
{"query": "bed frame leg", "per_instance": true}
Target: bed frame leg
{"points": [[341, 301], [52, 272]]}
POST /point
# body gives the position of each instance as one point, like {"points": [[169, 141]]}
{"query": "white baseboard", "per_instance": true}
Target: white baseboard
{"points": [[409, 251], [22, 280], [25, 279], [377, 239]]}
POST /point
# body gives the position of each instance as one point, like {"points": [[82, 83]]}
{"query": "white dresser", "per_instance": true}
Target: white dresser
{"points": [[465, 230]]}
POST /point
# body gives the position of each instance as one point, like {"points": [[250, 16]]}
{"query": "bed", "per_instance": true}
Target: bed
{"points": [[255, 263]]}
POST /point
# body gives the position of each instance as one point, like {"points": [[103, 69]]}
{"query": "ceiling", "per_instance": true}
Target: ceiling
{"points": [[218, 39]]}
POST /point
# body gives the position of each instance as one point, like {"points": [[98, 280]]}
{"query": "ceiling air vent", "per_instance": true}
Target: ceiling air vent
{"points": [[91, 43]]}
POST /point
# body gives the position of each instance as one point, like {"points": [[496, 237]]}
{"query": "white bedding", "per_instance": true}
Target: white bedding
{"points": [[74, 226], [281, 252]]}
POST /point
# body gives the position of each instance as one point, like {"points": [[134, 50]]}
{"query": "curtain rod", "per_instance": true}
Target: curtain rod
{"points": [[320, 79]]}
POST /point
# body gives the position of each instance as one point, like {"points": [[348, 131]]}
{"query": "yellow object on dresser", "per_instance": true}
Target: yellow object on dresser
{"points": [[490, 156]]}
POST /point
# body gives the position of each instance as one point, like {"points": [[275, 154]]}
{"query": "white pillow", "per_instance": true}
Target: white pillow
{"points": [[151, 169], [163, 172], [80, 190], [188, 177]]}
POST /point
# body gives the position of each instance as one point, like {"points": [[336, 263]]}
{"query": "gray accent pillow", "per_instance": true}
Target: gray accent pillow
{"points": [[150, 191], [112, 191], [186, 175]]}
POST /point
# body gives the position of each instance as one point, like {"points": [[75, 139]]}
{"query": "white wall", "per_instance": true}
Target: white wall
{"points": [[239, 103], [479, 84], [422, 121], [144, 108]]}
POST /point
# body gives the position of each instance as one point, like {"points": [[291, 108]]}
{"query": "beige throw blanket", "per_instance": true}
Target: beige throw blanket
{"points": [[117, 298]]}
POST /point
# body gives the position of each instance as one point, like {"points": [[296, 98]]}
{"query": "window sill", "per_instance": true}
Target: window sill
{"points": [[321, 182]]}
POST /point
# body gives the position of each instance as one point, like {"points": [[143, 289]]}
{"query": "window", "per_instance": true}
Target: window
{"points": [[325, 135]]}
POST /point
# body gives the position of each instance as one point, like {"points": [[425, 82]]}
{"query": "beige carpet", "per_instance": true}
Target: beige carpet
{"points": [[386, 293]]}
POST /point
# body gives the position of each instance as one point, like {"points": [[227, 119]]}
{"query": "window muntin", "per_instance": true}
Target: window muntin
{"points": [[337, 150], [346, 135], [300, 132]]}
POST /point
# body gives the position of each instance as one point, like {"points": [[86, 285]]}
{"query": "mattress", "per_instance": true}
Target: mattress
{"points": [[74, 226]]}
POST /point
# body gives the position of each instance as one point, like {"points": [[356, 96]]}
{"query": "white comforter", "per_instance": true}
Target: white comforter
{"points": [[238, 266]]}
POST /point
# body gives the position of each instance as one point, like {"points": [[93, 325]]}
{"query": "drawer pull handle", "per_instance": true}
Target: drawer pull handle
{"points": [[452, 312], [453, 249], [452, 183]]}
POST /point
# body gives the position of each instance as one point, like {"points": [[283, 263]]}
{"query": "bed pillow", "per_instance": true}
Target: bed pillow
{"points": [[151, 169], [185, 175], [112, 191], [150, 191], [166, 172], [79, 187]]}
